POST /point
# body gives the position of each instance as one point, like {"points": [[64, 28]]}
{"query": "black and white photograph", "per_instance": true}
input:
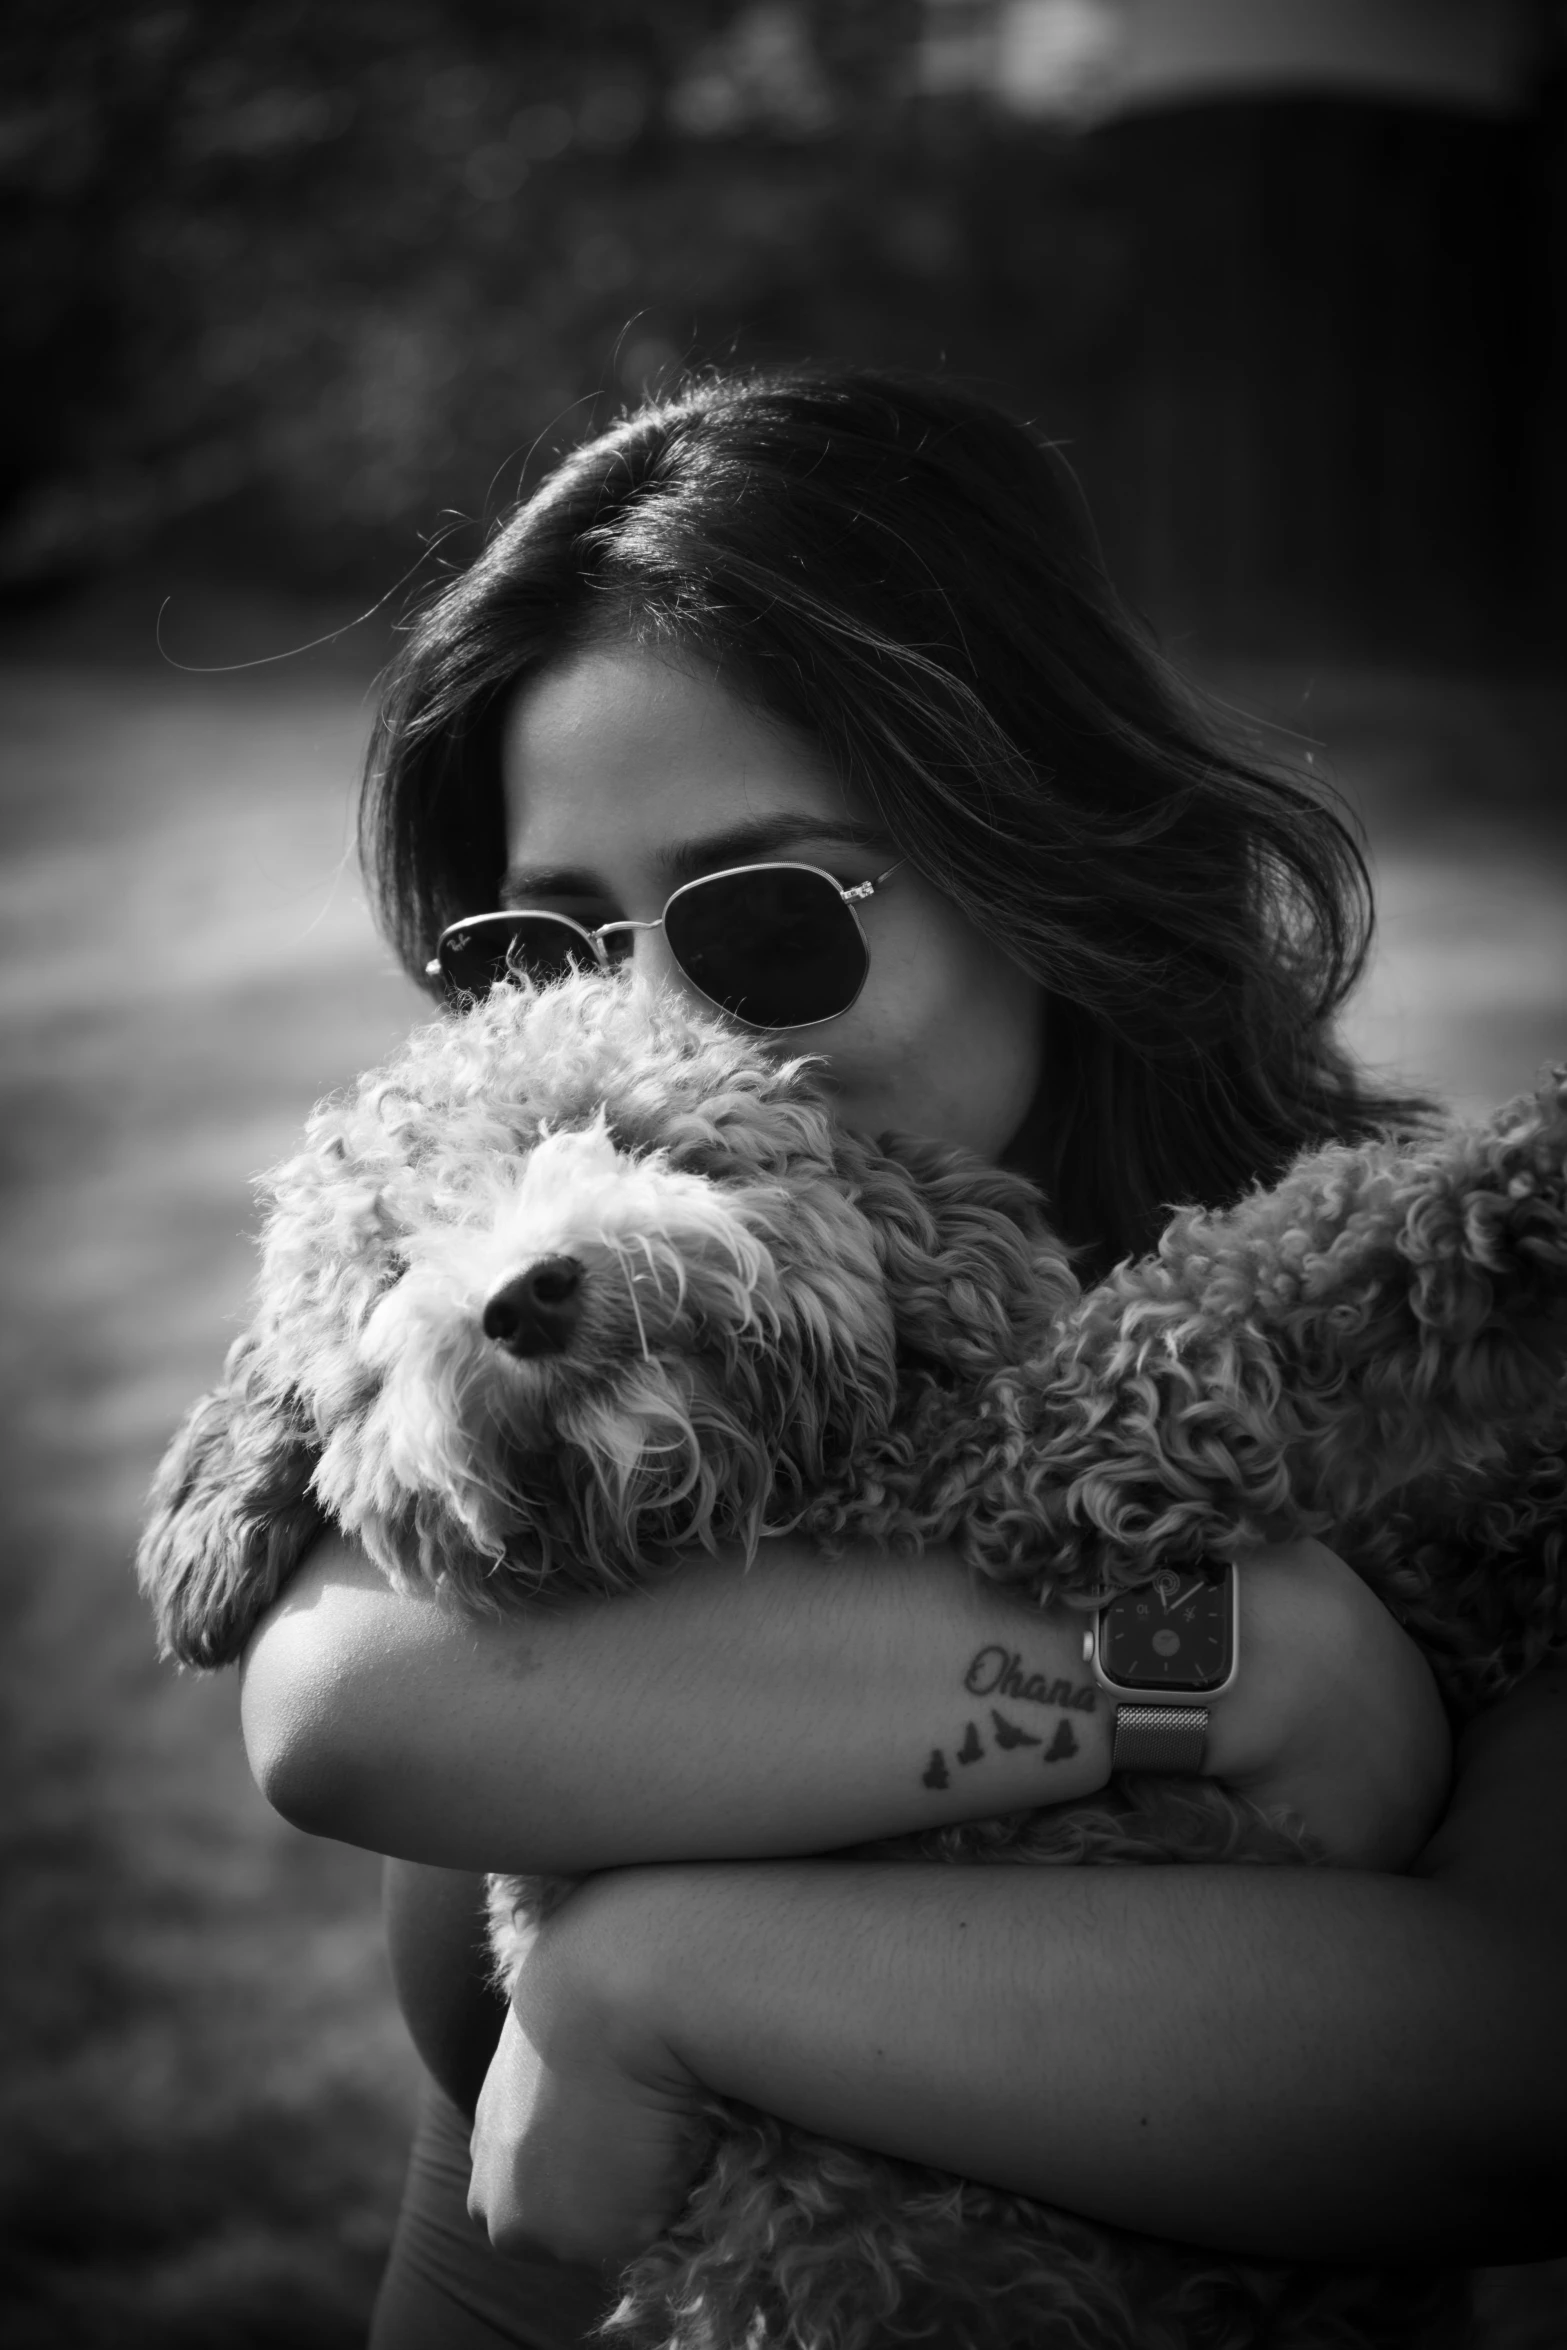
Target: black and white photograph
{"points": [[783, 1015]]}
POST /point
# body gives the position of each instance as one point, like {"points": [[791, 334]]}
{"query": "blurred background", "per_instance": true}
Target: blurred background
{"points": [[297, 301]]}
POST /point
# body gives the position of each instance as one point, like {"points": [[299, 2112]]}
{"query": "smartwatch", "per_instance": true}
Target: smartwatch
{"points": [[1163, 1649]]}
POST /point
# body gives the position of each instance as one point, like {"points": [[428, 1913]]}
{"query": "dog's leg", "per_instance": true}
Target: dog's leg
{"points": [[231, 1514], [1384, 1321]]}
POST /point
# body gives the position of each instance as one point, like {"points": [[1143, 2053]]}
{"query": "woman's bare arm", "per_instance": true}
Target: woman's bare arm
{"points": [[794, 1708], [1325, 2064], [784, 1709]]}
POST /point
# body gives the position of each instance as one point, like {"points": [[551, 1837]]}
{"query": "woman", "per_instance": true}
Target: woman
{"points": [[859, 626]]}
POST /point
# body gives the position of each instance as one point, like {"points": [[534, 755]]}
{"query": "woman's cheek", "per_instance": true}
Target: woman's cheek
{"points": [[961, 1067], [983, 1052], [991, 1092]]}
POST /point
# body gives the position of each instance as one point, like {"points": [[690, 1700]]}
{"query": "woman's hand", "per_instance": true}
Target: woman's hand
{"points": [[1334, 1715], [588, 2132], [1305, 2064]]}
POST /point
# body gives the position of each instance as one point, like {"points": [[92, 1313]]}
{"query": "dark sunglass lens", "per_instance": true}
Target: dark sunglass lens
{"points": [[777, 947], [528, 946]]}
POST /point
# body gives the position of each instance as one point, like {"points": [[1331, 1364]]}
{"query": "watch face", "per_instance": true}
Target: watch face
{"points": [[1177, 1634]]}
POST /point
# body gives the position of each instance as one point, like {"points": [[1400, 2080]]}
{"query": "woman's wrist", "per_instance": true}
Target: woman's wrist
{"points": [[1334, 1715]]}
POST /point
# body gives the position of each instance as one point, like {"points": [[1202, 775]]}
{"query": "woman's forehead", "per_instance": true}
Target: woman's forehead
{"points": [[619, 754]]}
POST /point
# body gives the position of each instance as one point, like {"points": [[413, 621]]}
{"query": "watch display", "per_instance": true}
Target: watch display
{"points": [[1176, 1634]]}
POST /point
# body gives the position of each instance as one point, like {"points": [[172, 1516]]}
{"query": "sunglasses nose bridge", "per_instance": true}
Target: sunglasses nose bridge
{"points": [[614, 929], [648, 955]]}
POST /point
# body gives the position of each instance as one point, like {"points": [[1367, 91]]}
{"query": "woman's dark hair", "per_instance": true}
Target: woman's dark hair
{"points": [[907, 578]]}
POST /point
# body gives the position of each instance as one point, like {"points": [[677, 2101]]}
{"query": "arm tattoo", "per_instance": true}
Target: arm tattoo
{"points": [[1000, 1672]]}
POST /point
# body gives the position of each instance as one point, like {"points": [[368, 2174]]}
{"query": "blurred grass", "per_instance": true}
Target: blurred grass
{"points": [[206, 2090]]}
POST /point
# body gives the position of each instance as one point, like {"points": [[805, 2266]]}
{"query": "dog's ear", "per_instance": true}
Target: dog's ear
{"points": [[230, 1515], [976, 1278]]}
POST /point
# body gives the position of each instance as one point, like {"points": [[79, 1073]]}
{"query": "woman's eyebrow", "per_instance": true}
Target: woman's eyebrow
{"points": [[763, 836], [522, 885], [767, 836]]}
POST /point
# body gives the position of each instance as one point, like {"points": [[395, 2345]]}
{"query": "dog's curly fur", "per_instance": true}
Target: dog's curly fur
{"points": [[783, 1325]]}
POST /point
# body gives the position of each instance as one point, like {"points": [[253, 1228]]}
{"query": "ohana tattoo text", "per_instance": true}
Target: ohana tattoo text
{"points": [[998, 1672]]}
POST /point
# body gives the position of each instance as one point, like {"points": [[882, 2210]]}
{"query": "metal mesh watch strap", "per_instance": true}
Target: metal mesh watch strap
{"points": [[1159, 1737]]}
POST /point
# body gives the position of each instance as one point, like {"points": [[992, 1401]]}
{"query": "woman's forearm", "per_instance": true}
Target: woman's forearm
{"points": [[1208, 2055], [1310, 2064], [790, 1708], [795, 1707]]}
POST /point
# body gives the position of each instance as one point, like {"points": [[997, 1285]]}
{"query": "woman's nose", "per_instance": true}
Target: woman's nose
{"points": [[651, 959]]}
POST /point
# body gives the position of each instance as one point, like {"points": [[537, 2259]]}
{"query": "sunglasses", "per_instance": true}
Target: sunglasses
{"points": [[774, 946]]}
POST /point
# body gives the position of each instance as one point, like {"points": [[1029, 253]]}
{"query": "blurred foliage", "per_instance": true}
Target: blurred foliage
{"points": [[293, 290], [283, 281]]}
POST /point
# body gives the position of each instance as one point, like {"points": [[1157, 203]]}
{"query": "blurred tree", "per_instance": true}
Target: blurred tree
{"points": [[288, 278], [292, 289]]}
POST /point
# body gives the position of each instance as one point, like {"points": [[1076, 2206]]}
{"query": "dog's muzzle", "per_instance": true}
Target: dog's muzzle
{"points": [[536, 1313]]}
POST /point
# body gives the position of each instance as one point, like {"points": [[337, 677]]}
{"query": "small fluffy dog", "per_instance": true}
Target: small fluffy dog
{"points": [[584, 1281]]}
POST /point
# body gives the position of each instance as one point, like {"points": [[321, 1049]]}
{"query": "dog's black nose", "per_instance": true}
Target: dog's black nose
{"points": [[537, 1312]]}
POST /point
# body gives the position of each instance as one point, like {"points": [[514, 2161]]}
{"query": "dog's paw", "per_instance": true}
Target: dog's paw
{"points": [[231, 1515]]}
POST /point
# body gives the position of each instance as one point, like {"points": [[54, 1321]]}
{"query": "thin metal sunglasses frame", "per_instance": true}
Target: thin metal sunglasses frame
{"points": [[594, 939]]}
